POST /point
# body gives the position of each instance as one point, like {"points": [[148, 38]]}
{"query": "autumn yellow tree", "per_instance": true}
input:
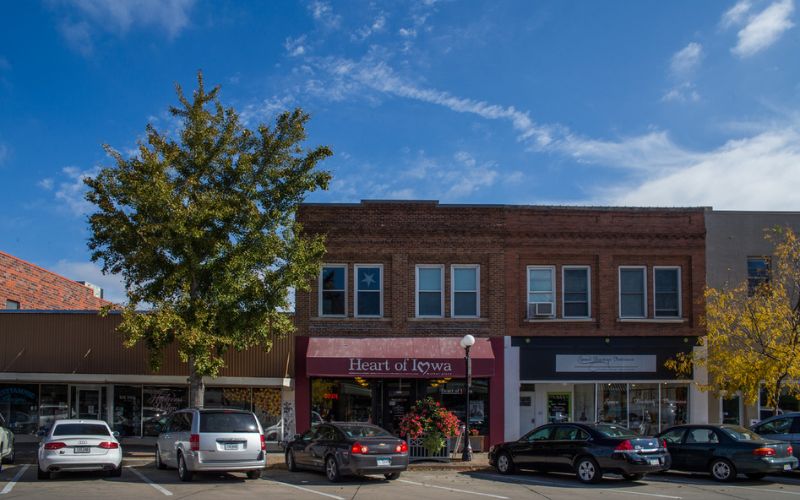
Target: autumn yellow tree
{"points": [[753, 336]]}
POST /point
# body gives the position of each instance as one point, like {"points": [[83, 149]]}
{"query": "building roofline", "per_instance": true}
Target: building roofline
{"points": [[506, 206], [755, 212]]}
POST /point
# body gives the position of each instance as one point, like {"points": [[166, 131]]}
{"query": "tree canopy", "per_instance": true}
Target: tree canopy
{"points": [[753, 335], [200, 225]]}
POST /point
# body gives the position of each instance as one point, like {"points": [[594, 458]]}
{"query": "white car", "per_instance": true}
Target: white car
{"points": [[79, 445], [6, 444]]}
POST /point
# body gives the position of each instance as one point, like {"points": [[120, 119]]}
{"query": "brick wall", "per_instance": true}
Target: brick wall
{"points": [[37, 288]]}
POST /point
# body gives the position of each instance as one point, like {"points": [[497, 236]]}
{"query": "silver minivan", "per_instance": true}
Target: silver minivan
{"points": [[212, 440]]}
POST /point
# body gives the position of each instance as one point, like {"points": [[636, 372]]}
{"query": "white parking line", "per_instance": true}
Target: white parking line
{"points": [[564, 483], [309, 490], [427, 485], [765, 489], [148, 481], [10, 485]]}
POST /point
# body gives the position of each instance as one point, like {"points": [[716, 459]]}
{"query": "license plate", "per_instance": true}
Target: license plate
{"points": [[653, 461], [231, 446], [384, 462], [81, 449], [787, 466]]}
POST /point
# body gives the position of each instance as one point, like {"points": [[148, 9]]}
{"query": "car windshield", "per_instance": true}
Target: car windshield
{"points": [[363, 431], [81, 430], [228, 422], [609, 430], [740, 433]]}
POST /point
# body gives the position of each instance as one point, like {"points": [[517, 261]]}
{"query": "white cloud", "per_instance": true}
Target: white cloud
{"points": [[736, 14], [687, 59], [46, 184], [295, 46], [407, 32], [684, 92], [112, 285], [71, 191], [267, 109], [764, 29], [78, 36], [366, 31], [322, 12]]}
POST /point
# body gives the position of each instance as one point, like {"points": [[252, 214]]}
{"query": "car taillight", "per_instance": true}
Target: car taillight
{"points": [[664, 443], [358, 448], [55, 445], [764, 452], [402, 447], [108, 445], [263, 443], [194, 442], [790, 450], [624, 446]]}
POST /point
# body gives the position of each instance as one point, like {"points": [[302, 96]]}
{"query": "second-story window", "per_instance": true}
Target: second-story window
{"points": [[465, 289], [667, 297], [541, 292], [576, 292], [332, 290], [369, 290], [757, 273], [12, 304], [632, 297], [430, 295]]}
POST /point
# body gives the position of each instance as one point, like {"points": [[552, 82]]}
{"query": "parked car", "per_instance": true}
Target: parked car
{"points": [[79, 445], [6, 444], [588, 450], [725, 451], [211, 440], [343, 448], [782, 427], [274, 432]]}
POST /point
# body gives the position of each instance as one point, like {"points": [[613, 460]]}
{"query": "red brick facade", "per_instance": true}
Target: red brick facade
{"points": [[36, 288]]}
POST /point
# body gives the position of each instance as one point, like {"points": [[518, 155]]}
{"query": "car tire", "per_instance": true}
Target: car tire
{"points": [[10, 458], [291, 463], [756, 475], [42, 474], [254, 474], [505, 465], [722, 470], [332, 469], [391, 476], [159, 463], [115, 472], [184, 474], [632, 477], [587, 470]]}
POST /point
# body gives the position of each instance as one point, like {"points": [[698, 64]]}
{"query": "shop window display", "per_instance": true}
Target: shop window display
{"points": [[674, 404], [267, 407], [19, 404], [127, 410], [613, 407], [643, 410], [346, 400], [158, 402], [584, 403], [53, 405]]}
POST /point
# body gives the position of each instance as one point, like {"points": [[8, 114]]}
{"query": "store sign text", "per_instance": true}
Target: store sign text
{"points": [[605, 363], [400, 366]]}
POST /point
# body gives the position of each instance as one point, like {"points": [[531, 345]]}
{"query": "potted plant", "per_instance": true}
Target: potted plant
{"points": [[428, 420]]}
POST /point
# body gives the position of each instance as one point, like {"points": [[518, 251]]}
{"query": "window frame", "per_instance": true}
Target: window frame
{"points": [[552, 291], [356, 290], [477, 290], [644, 291], [588, 270], [767, 259], [320, 312], [417, 267], [11, 301], [680, 295]]}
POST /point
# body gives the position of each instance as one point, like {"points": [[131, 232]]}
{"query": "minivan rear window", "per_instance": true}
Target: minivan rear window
{"points": [[81, 430], [228, 422]]}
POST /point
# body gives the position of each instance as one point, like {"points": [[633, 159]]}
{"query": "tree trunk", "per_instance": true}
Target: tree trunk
{"points": [[197, 388]]}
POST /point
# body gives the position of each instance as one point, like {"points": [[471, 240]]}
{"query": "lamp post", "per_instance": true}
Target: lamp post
{"points": [[467, 342]]}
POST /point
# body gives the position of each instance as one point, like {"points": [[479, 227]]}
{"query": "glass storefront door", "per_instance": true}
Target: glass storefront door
{"points": [[88, 403]]}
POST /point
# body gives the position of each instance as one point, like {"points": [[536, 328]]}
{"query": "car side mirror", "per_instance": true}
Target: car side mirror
{"points": [[41, 433], [115, 434]]}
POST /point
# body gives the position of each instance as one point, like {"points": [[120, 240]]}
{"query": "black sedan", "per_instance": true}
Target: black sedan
{"points": [[340, 448], [587, 450], [725, 451]]}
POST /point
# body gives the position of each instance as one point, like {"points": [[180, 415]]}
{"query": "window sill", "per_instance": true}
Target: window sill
{"points": [[653, 320], [561, 320], [457, 320], [348, 318]]}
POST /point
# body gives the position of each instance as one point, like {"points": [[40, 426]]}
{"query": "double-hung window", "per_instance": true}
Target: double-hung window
{"points": [[333, 290], [369, 290], [465, 291], [757, 273], [667, 292], [576, 286], [430, 291], [632, 292], [541, 291]]}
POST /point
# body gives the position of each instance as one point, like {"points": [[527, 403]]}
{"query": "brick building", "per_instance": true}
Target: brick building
{"points": [[27, 286], [539, 287]]}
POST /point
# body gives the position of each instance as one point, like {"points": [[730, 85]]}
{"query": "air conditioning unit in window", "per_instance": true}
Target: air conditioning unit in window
{"points": [[540, 310]]}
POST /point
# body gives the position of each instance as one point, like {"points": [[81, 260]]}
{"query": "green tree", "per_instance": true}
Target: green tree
{"points": [[200, 225], [753, 336]]}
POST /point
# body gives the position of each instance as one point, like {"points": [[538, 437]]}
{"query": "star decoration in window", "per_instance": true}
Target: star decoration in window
{"points": [[368, 279]]}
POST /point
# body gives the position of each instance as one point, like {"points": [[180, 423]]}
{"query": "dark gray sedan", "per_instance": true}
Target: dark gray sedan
{"points": [[341, 448]]}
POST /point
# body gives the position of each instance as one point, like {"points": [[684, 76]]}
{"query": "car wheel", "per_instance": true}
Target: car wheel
{"points": [[115, 472], [254, 474], [332, 469], [159, 463], [42, 474], [632, 477], [722, 470], [756, 475], [392, 476], [183, 472], [10, 458], [587, 470], [504, 463], [290, 462]]}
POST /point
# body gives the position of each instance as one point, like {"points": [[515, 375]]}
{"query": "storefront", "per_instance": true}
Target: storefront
{"points": [[378, 379], [620, 380]]}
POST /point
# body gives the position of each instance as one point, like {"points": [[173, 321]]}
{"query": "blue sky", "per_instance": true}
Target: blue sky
{"points": [[653, 103]]}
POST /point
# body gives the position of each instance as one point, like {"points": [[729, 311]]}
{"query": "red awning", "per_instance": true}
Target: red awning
{"points": [[397, 357]]}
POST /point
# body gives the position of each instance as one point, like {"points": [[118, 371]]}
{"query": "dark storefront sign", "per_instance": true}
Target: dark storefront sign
{"points": [[590, 358]]}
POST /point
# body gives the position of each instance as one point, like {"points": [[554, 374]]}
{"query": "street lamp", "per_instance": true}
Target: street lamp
{"points": [[467, 342]]}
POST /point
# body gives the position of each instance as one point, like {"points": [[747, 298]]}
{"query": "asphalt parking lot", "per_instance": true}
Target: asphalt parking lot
{"points": [[140, 479]]}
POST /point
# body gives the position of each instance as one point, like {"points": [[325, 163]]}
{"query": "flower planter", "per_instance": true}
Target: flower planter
{"points": [[477, 443], [417, 452]]}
